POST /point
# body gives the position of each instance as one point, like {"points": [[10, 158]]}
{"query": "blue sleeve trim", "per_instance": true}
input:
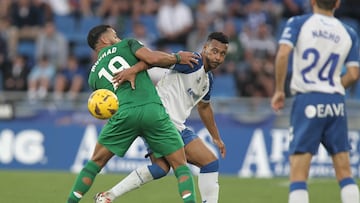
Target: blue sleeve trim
{"points": [[293, 28], [207, 97], [354, 51], [184, 68]]}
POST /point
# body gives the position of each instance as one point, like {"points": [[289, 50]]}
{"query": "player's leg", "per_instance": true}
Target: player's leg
{"points": [[200, 155], [299, 172], [165, 141], [336, 142], [87, 175], [305, 134], [118, 134], [349, 189], [186, 185], [139, 177]]}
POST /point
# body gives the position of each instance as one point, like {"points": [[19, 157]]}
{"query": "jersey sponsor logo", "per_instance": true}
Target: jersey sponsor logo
{"points": [[324, 110], [195, 96]]}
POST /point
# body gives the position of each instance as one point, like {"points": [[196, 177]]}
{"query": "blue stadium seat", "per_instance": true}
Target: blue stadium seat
{"points": [[82, 51], [80, 47], [127, 28], [66, 24], [224, 86], [150, 24], [27, 48], [238, 22], [84, 26], [86, 23]]}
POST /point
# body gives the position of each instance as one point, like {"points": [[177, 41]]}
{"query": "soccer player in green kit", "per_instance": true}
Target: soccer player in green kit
{"points": [[140, 110]]}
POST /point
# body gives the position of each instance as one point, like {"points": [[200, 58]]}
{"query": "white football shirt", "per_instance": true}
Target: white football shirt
{"points": [[182, 88], [322, 46]]}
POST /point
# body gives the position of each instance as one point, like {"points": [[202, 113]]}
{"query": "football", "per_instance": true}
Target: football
{"points": [[102, 104]]}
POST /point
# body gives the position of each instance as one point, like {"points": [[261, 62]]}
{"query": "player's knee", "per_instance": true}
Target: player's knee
{"points": [[210, 167], [156, 171]]}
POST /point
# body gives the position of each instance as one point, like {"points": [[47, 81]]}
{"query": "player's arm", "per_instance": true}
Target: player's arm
{"points": [[281, 63], [350, 77], [155, 58], [129, 74], [352, 62], [163, 59], [207, 117]]}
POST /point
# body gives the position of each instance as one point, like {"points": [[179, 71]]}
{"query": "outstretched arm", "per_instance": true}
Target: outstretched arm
{"points": [[163, 59], [207, 117], [151, 58]]}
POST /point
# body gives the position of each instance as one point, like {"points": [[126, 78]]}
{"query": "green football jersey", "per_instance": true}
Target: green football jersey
{"points": [[118, 57]]}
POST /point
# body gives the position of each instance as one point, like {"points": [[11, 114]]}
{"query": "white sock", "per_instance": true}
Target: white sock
{"points": [[133, 181], [350, 194], [299, 196], [209, 187]]}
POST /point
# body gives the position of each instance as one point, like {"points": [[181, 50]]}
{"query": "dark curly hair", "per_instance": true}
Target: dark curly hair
{"points": [[219, 36], [95, 33]]}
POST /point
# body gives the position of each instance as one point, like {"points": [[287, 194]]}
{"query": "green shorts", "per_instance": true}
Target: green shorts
{"points": [[149, 121]]}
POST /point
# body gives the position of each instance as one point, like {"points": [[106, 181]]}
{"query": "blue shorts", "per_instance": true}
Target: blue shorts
{"points": [[318, 118], [188, 135]]}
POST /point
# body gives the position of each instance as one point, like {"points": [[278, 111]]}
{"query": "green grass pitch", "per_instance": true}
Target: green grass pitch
{"points": [[53, 187]]}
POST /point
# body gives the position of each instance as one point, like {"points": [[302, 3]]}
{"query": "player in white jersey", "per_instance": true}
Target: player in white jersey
{"points": [[180, 90], [320, 46]]}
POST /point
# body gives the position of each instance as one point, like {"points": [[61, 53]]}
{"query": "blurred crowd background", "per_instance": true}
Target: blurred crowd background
{"points": [[44, 52]]}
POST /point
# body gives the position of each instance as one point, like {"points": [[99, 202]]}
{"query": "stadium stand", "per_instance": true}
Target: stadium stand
{"points": [[76, 25]]}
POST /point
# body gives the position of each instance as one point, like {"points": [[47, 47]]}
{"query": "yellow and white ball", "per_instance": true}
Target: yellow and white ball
{"points": [[103, 103]]}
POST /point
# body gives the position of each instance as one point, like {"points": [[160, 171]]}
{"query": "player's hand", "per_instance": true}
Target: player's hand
{"points": [[278, 101], [220, 144], [123, 76], [189, 58]]}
